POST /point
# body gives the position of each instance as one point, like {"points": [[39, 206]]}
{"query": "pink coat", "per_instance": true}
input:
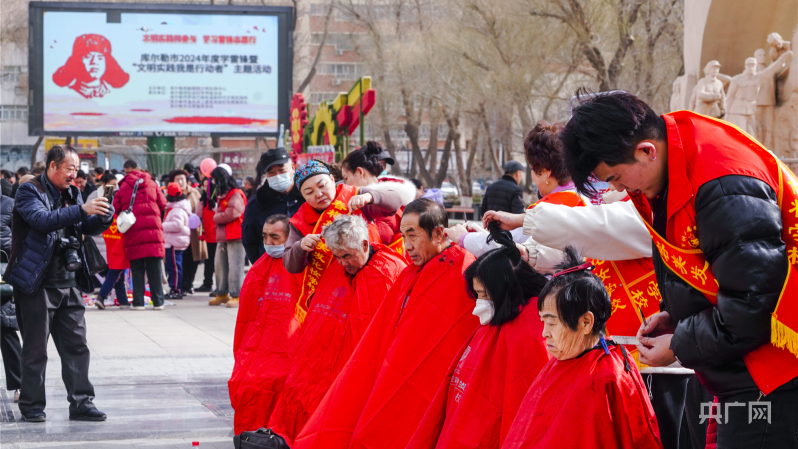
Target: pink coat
{"points": [[175, 225], [145, 237]]}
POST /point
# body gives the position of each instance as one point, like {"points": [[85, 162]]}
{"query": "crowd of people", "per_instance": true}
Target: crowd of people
{"points": [[367, 321]]}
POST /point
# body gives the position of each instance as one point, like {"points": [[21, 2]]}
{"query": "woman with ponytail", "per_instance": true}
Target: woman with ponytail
{"points": [[488, 379]]}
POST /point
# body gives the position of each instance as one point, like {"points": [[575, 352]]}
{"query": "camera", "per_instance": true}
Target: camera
{"points": [[68, 247]]}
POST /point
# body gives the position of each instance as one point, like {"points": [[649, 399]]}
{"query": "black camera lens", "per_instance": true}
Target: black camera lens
{"points": [[72, 260]]}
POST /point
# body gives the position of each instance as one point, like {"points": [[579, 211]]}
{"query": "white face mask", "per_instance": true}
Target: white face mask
{"points": [[281, 182], [483, 311], [274, 251]]}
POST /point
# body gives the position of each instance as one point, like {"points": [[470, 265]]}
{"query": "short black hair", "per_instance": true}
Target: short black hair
{"points": [[606, 127], [509, 281], [6, 174], [417, 183], [22, 171], [577, 293], [106, 177], [431, 215], [99, 170], [57, 154], [81, 174], [366, 157], [130, 163], [279, 218]]}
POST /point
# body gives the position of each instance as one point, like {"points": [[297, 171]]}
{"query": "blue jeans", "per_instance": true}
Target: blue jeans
{"points": [[174, 268], [115, 279]]}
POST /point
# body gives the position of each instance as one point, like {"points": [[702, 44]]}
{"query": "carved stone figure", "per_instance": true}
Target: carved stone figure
{"points": [[744, 92], [708, 97]]}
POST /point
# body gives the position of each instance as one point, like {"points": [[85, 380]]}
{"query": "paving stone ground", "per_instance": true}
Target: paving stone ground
{"points": [[160, 376]]}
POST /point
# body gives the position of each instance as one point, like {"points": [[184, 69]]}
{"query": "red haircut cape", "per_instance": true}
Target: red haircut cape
{"points": [[479, 398], [266, 333], [589, 402], [340, 311], [381, 395]]}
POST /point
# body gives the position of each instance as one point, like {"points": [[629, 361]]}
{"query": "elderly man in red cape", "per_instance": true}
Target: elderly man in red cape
{"points": [[721, 211], [266, 332], [383, 391], [342, 307]]}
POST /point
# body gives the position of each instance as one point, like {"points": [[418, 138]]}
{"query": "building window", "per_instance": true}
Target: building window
{"points": [[341, 71], [9, 112], [10, 74]]}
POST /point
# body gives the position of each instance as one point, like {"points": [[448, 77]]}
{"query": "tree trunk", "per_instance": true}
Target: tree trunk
{"points": [[432, 149], [411, 128], [493, 158], [453, 122], [444, 167], [472, 151]]}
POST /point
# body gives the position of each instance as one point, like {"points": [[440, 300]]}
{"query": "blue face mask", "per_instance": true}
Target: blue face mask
{"points": [[280, 182], [274, 251]]}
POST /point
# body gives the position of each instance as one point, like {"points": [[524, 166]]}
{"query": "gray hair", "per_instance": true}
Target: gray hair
{"points": [[346, 232]]}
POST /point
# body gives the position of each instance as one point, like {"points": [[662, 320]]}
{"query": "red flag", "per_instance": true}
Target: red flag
{"points": [[589, 402], [265, 336], [380, 396], [478, 400], [341, 309]]}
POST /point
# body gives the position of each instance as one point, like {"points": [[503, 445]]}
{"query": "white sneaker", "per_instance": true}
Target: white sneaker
{"points": [[16, 396], [138, 308], [158, 308]]}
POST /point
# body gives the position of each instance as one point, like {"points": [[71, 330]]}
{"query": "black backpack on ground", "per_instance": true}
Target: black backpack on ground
{"points": [[262, 438]]}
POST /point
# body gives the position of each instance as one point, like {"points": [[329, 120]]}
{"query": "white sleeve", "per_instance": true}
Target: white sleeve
{"points": [[606, 232], [475, 242], [544, 259]]}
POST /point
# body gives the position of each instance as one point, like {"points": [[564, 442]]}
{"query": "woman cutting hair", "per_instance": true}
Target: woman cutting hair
{"points": [[305, 250]]}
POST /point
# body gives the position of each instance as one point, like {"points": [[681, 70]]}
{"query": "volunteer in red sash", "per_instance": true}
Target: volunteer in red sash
{"points": [[304, 251], [721, 210]]}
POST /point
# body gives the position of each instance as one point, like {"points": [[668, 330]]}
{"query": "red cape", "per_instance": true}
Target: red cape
{"points": [[341, 310], [589, 402], [266, 333], [381, 395], [479, 398]]}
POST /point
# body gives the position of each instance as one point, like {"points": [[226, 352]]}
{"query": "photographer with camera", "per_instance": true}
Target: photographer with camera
{"points": [[48, 270]]}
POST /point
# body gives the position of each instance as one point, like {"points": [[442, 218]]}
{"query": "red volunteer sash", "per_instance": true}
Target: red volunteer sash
{"points": [[775, 363]]}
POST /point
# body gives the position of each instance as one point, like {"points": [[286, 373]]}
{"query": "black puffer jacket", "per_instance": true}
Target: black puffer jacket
{"points": [[739, 228], [6, 206], [504, 195]]}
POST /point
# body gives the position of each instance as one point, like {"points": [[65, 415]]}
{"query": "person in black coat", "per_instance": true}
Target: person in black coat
{"points": [[10, 348], [277, 195], [505, 195]]}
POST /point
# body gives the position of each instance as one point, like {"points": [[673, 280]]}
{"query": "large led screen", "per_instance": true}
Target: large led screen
{"points": [[147, 72]]}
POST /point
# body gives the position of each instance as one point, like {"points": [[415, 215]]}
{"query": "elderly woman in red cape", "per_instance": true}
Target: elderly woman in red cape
{"points": [[91, 69], [342, 307], [478, 400], [384, 389], [266, 332], [305, 252], [590, 394]]}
